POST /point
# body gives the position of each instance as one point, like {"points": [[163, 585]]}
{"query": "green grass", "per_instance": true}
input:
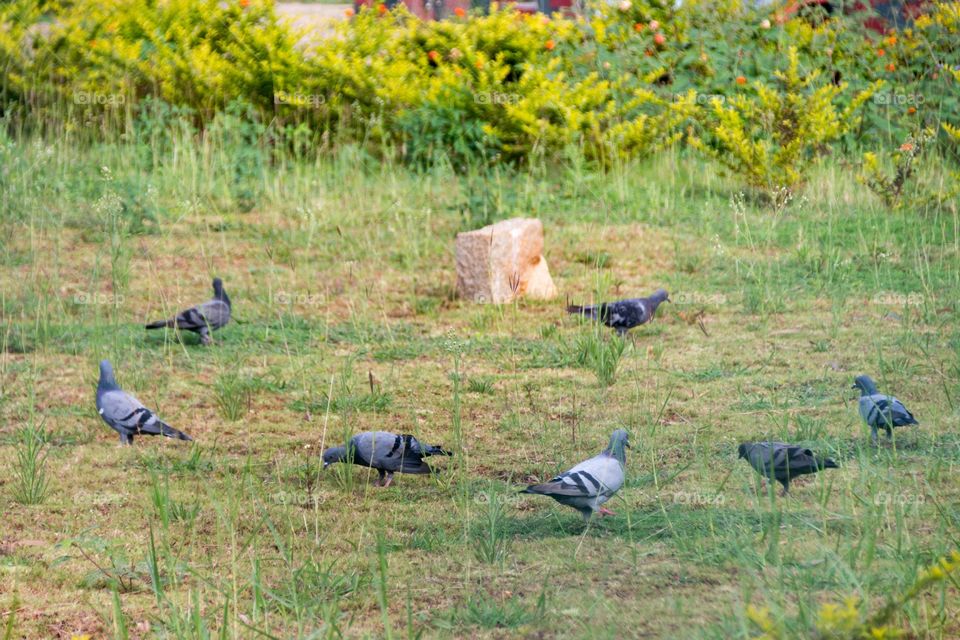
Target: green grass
{"points": [[341, 273]]}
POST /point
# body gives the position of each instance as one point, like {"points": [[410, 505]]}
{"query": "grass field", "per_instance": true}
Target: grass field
{"points": [[342, 277]]}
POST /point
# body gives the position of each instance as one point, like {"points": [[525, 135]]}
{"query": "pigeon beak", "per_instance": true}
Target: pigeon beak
{"points": [[325, 465], [853, 386]]}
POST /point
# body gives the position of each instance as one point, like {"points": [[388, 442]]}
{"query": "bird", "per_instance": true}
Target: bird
{"points": [[386, 452], [623, 315], [879, 410], [591, 483], [783, 462], [125, 414], [203, 318]]}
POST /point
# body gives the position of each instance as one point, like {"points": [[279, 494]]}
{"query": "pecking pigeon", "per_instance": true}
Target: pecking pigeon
{"points": [[203, 318], [783, 462], [624, 314], [125, 414], [880, 411], [592, 482], [386, 452]]}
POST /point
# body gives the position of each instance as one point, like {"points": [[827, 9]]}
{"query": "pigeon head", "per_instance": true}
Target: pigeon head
{"points": [[619, 442], [828, 463], [107, 381], [660, 295], [742, 451], [866, 385], [334, 454], [218, 291]]}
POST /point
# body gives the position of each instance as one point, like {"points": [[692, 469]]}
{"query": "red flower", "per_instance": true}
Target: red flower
{"points": [[911, 110], [659, 39], [741, 80], [638, 27], [550, 44], [348, 12], [433, 55], [891, 67], [459, 12], [906, 146], [881, 52], [381, 9]]}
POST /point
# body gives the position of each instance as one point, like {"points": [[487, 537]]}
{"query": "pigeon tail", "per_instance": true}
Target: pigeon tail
{"points": [[587, 311], [170, 432], [159, 324]]}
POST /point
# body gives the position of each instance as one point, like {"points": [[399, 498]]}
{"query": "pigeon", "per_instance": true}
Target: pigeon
{"points": [[783, 462], [880, 411], [588, 485], [386, 452], [623, 315], [203, 318], [125, 414]]}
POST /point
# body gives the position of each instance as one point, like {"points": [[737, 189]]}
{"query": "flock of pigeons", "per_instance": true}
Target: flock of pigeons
{"points": [[585, 487]]}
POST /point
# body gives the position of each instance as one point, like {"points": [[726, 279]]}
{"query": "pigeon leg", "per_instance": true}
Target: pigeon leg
{"points": [[389, 479], [889, 434], [379, 481], [205, 338], [873, 436], [605, 512], [786, 490]]}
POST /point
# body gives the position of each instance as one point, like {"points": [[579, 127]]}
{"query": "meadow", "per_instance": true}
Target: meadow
{"points": [[346, 319]]}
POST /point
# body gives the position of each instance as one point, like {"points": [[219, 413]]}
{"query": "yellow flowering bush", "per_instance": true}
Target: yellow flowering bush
{"points": [[850, 620], [771, 134]]}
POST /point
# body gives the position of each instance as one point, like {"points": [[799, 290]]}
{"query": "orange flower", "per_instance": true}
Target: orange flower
{"points": [[911, 110], [550, 44], [244, 3], [881, 52], [459, 12], [648, 53], [906, 146], [433, 55], [381, 9], [892, 40], [638, 27], [348, 12], [741, 80], [659, 39], [478, 64], [891, 67]]}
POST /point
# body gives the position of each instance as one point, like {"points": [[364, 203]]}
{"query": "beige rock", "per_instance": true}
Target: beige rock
{"points": [[503, 261]]}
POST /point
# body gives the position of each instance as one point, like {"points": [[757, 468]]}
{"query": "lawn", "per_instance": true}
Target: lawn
{"points": [[346, 319]]}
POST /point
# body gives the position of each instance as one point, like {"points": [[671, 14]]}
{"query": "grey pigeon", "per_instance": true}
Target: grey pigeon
{"points": [[386, 452], [623, 315], [203, 318], [588, 485], [880, 411], [783, 462], [125, 414]]}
